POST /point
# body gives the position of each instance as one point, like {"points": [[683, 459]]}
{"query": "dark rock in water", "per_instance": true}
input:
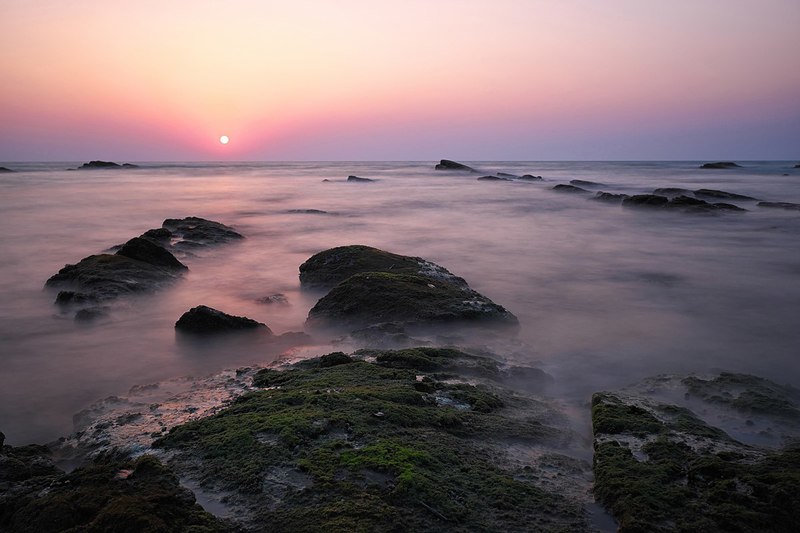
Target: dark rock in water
{"points": [[66, 298], [105, 164], [374, 297], [307, 211], [584, 183], [4, 169], [726, 207], [780, 205], [446, 164], [203, 319], [721, 165], [722, 195], [2, 439], [492, 178], [569, 188], [672, 191], [332, 266], [686, 201], [89, 314], [274, 299], [797, 165], [201, 231], [609, 197], [529, 177], [150, 253], [507, 175], [645, 200], [160, 236], [326, 180], [109, 494], [658, 467], [385, 335], [359, 180], [105, 276]]}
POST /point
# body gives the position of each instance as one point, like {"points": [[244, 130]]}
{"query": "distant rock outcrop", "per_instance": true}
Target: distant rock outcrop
{"points": [[446, 164], [493, 178], [203, 319], [359, 180], [722, 195], [780, 205], [645, 200], [671, 191], [682, 202], [569, 188], [584, 183], [530, 177], [721, 165], [4, 169], [609, 197], [105, 164]]}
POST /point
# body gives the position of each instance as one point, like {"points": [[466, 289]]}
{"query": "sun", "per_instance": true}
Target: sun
{"points": [[224, 139]]}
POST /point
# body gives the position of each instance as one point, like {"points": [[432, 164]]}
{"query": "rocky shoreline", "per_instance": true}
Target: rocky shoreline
{"points": [[412, 432]]}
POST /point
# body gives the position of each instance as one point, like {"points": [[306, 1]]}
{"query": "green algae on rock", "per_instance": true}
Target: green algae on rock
{"points": [[375, 297], [342, 444], [660, 468], [330, 267], [110, 494]]}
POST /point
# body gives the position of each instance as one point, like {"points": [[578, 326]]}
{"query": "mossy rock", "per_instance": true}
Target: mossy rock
{"points": [[660, 468], [750, 395], [380, 453], [375, 297], [330, 267]]}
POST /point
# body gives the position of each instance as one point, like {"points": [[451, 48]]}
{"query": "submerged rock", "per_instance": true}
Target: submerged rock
{"points": [[493, 178], [203, 319], [201, 231], [278, 298], [359, 180], [374, 297], [584, 183], [4, 169], [780, 205], [332, 266], [721, 165], [569, 188], [645, 200], [658, 467], [446, 164], [609, 197], [723, 195]]}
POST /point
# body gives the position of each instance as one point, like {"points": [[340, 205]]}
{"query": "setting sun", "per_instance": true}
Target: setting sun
{"points": [[224, 139]]}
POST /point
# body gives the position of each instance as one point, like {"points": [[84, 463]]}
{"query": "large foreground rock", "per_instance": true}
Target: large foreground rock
{"points": [[375, 297], [204, 320], [330, 267], [658, 467], [411, 440]]}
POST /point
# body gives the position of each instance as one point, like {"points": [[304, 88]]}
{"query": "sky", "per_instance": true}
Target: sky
{"points": [[412, 80]]}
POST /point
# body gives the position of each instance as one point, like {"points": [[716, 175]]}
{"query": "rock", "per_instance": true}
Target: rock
{"points": [[507, 175], [90, 314], [105, 164], [659, 467], [569, 188], [4, 169], [160, 236], [446, 164], [105, 276], [686, 201], [385, 335], [307, 211], [711, 193], [359, 180], [529, 177], [332, 266], [492, 178], [797, 165], [67, 298], [645, 200], [278, 298], [780, 205], [374, 297], [129, 165], [203, 319], [146, 251], [609, 197], [584, 183], [721, 165], [671, 191], [2, 439], [201, 231], [726, 207]]}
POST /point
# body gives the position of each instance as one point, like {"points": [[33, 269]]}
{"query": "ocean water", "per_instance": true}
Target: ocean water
{"points": [[605, 295]]}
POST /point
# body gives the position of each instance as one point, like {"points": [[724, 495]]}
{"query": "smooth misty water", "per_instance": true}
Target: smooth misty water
{"points": [[605, 295]]}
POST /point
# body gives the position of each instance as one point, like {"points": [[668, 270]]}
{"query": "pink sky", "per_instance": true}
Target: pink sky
{"points": [[412, 80]]}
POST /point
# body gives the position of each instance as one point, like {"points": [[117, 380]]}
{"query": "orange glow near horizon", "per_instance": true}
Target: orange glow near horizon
{"points": [[156, 80]]}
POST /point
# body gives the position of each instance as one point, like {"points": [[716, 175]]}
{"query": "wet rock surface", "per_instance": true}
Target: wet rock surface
{"points": [[141, 265], [203, 320], [660, 466], [402, 443]]}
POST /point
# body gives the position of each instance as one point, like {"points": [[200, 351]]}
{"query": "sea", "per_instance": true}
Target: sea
{"points": [[605, 295]]}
